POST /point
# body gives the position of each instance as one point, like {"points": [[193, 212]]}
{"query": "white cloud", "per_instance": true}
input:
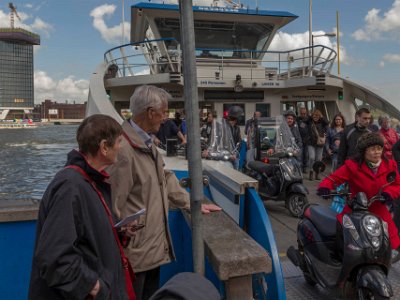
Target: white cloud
{"points": [[40, 26], [111, 35], [377, 25], [65, 89], [285, 41], [395, 58], [391, 58]]}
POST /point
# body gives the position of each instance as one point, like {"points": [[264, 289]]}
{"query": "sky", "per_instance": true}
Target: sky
{"points": [[75, 34]]}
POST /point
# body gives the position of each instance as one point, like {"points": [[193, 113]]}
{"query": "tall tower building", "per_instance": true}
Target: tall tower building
{"points": [[16, 72]]}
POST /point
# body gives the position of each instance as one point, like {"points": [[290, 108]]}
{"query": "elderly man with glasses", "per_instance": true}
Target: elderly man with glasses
{"points": [[139, 181]]}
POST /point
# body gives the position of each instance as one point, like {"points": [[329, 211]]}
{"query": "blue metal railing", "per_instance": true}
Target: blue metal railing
{"points": [[255, 221]]}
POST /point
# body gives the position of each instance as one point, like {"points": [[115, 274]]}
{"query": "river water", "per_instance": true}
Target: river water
{"points": [[29, 159]]}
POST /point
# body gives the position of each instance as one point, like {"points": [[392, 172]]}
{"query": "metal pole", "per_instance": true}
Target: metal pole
{"points": [[338, 43], [312, 51], [310, 37], [123, 23], [193, 125]]}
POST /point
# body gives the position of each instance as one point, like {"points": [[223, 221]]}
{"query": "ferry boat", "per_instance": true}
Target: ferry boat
{"points": [[234, 66]]}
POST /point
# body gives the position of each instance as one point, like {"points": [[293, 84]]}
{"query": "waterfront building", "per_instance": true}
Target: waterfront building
{"points": [[52, 110], [16, 72]]}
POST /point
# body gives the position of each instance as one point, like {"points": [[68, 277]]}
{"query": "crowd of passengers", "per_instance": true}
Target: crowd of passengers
{"points": [[117, 170]]}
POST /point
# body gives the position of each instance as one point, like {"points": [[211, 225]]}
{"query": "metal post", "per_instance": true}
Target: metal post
{"points": [[193, 125], [310, 38], [312, 51], [123, 23], [338, 43]]}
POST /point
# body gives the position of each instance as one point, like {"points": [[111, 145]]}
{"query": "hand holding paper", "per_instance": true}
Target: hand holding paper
{"points": [[130, 219]]}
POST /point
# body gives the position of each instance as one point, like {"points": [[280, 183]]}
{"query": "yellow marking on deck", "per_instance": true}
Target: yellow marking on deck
{"points": [[282, 254]]}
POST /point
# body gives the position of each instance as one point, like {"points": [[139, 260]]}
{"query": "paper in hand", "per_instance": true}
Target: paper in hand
{"points": [[130, 218]]}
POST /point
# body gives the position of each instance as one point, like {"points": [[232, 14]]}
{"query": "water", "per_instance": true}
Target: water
{"points": [[29, 159]]}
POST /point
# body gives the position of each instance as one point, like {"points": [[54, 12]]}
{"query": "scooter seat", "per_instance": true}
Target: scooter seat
{"points": [[261, 167], [324, 219]]}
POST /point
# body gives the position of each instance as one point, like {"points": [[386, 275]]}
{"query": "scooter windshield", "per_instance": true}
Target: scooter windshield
{"points": [[285, 141], [221, 140]]}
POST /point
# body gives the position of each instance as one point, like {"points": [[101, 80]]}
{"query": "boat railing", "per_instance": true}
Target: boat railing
{"points": [[164, 56], [145, 57]]}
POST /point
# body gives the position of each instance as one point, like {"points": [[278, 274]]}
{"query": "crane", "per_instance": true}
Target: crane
{"points": [[13, 10]]}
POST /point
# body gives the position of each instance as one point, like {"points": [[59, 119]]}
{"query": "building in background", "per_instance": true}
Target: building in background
{"points": [[54, 111], [16, 73]]}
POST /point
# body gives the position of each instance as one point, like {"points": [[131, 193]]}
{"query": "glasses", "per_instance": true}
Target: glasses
{"points": [[159, 111], [375, 148]]}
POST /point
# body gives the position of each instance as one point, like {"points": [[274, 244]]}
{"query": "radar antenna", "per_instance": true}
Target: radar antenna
{"points": [[13, 10]]}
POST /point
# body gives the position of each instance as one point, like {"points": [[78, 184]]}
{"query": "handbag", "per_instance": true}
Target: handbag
{"points": [[321, 139]]}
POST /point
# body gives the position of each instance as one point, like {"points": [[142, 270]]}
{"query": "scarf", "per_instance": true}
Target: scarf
{"points": [[373, 166]]}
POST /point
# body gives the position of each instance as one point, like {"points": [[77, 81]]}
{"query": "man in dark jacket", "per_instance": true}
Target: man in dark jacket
{"points": [[206, 129], [76, 255], [348, 140], [302, 123], [233, 115], [250, 122]]}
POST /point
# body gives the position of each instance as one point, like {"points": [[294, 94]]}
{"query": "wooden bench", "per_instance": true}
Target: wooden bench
{"points": [[233, 254]]}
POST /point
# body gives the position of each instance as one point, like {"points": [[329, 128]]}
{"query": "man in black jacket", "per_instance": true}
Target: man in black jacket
{"points": [[348, 140], [234, 113]]}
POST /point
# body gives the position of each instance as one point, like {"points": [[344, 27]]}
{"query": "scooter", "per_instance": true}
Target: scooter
{"points": [[354, 257], [279, 175], [280, 179]]}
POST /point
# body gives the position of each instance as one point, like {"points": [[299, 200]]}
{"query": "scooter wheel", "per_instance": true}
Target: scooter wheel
{"points": [[296, 203]]}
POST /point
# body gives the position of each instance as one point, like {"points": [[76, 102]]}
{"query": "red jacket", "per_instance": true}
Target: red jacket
{"points": [[362, 179], [390, 138]]}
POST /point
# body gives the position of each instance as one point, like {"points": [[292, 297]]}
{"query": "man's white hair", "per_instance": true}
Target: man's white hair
{"points": [[147, 96]]}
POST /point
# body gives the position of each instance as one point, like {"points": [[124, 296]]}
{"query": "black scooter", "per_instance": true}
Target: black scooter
{"points": [[354, 257], [279, 175], [281, 180]]}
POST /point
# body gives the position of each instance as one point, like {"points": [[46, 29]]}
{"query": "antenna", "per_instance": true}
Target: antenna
{"points": [[13, 10]]}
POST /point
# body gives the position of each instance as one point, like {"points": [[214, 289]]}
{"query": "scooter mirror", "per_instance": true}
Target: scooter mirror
{"points": [[318, 166], [391, 177], [362, 200]]}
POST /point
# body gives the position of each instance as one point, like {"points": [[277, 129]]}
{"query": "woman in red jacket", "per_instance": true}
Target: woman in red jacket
{"points": [[367, 172]]}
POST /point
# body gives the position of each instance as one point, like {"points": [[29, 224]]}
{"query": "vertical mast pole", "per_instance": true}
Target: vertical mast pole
{"points": [[123, 23], [310, 38], [338, 42], [193, 122]]}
